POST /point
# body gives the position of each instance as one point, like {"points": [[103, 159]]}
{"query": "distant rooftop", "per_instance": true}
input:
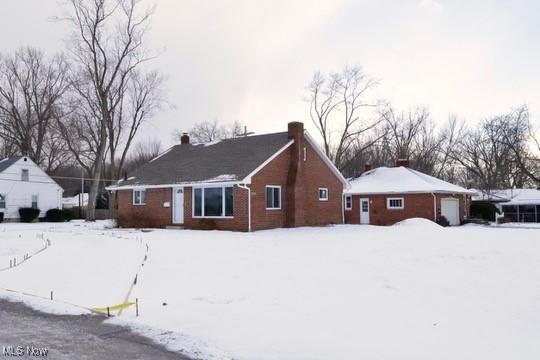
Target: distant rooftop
{"points": [[400, 180]]}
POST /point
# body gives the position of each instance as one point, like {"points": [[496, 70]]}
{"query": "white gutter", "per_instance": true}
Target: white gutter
{"points": [[343, 208], [243, 186], [160, 186], [434, 207]]}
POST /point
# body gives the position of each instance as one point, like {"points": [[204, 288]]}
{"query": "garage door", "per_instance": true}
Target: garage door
{"points": [[450, 210]]}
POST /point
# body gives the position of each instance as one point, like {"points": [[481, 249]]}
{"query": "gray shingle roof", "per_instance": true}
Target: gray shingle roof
{"points": [[7, 162], [226, 160]]}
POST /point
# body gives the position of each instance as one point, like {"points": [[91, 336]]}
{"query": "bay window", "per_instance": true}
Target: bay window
{"points": [[213, 201]]}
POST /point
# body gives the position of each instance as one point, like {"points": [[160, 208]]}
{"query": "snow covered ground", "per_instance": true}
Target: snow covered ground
{"points": [[410, 291]]}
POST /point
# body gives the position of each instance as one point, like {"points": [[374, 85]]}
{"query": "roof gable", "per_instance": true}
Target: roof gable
{"points": [[401, 180]]}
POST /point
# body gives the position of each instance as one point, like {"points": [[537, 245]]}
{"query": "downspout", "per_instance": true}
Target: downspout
{"points": [[243, 186], [434, 207], [343, 208]]}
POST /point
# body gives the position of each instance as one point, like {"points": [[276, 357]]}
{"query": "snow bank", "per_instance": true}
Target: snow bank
{"points": [[419, 222]]}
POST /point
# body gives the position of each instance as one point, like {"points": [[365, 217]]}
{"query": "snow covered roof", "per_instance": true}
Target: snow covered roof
{"points": [[73, 201], [400, 180], [510, 196], [7, 162]]}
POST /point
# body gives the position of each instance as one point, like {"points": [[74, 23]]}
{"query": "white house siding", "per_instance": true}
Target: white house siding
{"points": [[19, 193]]}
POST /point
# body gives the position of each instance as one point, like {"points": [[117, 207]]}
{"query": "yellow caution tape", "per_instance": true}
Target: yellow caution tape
{"points": [[114, 308]]}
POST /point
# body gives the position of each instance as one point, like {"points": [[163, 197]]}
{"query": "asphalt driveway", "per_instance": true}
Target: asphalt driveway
{"points": [[72, 337]]}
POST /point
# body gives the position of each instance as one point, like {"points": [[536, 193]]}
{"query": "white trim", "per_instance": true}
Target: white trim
{"points": [[133, 196], [244, 186], [247, 179], [327, 194], [223, 205], [389, 207], [266, 199], [325, 158], [345, 206]]}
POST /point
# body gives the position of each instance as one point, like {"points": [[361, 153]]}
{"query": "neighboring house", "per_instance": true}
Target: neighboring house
{"points": [[75, 201], [384, 196], [517, 205], [243, 184], [24, 184]]}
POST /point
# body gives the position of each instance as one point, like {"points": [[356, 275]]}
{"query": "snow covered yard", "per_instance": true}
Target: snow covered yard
{"points": [[412, 291], [86, 265]]}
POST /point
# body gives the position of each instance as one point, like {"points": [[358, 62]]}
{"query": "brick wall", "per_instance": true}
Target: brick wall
{"points": [[239, 222], [152, 214], [415, 205], [309, 210]]}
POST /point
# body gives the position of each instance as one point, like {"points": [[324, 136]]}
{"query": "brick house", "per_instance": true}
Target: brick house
{"points": [[386, 195], [242, 184]]}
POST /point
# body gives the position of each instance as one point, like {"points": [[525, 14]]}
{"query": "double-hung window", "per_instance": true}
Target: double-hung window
{"points": [[35, 201], [139, 197], [25, 175], [323, 194], [273, 197], [213, 201], [2, 201], [348, 202], [395, 203]]}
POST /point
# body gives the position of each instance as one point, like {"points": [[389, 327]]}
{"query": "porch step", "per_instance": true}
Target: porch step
{"points": [[175, 227]]}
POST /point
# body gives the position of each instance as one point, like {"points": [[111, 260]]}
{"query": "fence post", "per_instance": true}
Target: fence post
{"points": [[51, 294], [108, 312], [136, 306]]}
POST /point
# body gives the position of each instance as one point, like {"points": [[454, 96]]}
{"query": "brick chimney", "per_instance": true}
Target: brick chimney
{"points": [[184, 139], [367, 166], [402, 162], [295, 193]]}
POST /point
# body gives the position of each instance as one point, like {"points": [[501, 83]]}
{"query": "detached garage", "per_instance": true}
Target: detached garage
{"points": [[386, 195]]}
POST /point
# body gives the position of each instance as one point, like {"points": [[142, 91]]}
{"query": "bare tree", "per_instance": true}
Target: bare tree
{"points": [[208, 131], [106, 49], [139, 101], [335, 104], [520, 136], [142, 153], [32, 88]]}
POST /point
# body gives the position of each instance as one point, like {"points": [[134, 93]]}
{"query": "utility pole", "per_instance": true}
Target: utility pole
{"points": [[81, 195]]}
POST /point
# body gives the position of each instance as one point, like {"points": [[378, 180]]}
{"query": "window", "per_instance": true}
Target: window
{"points": [[139, 197], [213, 202], [34, 201], [365, 206], [25, 175], [323, 194], [394, 203], [273, 197], [348, 202], [2, 201]]}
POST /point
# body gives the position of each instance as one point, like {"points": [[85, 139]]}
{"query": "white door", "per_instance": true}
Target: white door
{"points": [[364, 211], [450, 210], [178, 206]]}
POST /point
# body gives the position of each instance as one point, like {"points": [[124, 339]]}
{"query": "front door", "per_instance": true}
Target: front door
{"points": [[364, 211], [178, 206]]}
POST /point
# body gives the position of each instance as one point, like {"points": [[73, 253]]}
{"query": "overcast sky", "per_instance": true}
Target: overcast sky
{"points": [[251, 60]]}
